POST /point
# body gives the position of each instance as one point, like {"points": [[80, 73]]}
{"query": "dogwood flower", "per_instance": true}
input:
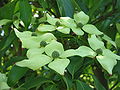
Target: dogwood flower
{"points": [[99, 51], [65, 24], [53, 55]]}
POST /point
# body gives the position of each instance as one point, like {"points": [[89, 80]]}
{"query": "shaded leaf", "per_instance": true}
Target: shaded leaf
{"points": [[25, 12], [15, 74]]}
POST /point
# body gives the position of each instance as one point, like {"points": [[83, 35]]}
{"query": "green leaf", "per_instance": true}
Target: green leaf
{"points": [[68, 81], [35, 62], [91, 29], [78, 31], [3, 82], [63, 6], [84, 51], [54, 46], [116, 69], [97, 84], [37, 81], [51, 87], [52, 20], [81, 17], [118, 27], [25, 12], [59, 65], [95, 43], [45, 28], [103, 60], [9, 40], [76, 63], [7, 11], [63, 29], [82, 86], [4, 21], [15, 74]]}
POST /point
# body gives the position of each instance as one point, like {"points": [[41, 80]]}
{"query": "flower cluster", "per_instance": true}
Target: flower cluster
{"points": [[44, 49]]}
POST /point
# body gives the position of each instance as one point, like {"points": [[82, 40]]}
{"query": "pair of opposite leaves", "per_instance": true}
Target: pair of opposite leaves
{"points": [[82, 51]]}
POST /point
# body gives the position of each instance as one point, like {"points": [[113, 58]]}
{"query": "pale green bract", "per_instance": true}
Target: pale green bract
{"points": [[52, 53], [35, 62], [59, 65], [107, 55], [85, 51], [29, 41], [95, 43], [66, 23], [81, 17], [3, 82], [91, 29]]}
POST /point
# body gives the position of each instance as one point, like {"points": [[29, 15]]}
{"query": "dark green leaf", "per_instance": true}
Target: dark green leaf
{"points": [[7, 11], [97, 84], [75, 64], [82, 86], [15, 74], [65, 7], [25, 12], [33, 82]]}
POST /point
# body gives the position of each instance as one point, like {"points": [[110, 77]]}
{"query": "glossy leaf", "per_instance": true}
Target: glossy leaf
{"points": [[15, 74], [25, 12], [82, 86], [63, 6]]}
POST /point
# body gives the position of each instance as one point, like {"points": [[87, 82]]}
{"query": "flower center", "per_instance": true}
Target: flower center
{"points": [[99, 51], [43, 43], [57, 23], [55, 54]]}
